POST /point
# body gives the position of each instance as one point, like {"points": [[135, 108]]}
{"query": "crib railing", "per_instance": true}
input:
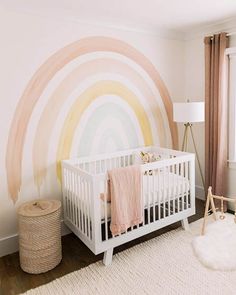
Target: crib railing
{"points": [[78, 200], [168, 192]]}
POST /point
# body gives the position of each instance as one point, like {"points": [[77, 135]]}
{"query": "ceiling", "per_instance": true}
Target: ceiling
{"points": [[178, 15]]}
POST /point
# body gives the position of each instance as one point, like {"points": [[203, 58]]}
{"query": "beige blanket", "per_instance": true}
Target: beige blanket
{"points": [[126, 198]]}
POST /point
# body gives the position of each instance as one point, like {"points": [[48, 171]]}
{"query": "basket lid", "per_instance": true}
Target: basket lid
{"points": [[39, 207]]}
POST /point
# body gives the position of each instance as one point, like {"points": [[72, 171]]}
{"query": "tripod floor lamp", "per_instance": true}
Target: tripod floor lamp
{"points": [[189, 113]]}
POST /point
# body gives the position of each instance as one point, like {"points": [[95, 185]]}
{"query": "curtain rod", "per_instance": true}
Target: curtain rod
{"points": [[228, 34]]}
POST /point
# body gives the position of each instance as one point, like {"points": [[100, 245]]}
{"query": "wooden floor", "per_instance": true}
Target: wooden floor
{"points": [[75, 256]]}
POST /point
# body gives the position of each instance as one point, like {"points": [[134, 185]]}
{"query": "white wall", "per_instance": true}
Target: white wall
{"points": [[26, 42], [195, 91]]}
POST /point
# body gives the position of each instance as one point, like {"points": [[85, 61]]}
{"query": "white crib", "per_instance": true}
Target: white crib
{"points": [[168, 195]]}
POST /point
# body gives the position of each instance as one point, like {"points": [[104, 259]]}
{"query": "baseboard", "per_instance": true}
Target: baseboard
{"points": [[200, 193], [9, 245], [64, 229], [231, 206]]}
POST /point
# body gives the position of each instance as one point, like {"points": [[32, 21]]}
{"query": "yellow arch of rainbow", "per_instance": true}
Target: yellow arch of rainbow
{"points": [[84, 100]]}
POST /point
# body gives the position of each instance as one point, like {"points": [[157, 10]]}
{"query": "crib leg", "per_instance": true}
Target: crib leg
{"points": [[185, 224], [107, 258]]}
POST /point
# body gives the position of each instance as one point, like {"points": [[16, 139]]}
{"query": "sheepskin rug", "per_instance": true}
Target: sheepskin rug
{"points": [[217, 248]]}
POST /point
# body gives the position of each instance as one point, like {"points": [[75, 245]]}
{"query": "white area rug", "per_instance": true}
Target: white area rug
{"points": [[163, 265], [217, 248]]}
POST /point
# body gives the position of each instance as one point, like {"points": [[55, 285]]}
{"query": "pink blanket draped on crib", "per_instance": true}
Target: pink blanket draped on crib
{"points": [[126, 198]]}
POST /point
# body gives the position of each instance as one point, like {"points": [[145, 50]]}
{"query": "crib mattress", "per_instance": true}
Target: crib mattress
{"points": [[157, 190]]}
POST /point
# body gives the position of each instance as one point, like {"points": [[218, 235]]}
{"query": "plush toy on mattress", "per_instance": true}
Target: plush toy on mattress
{"points": [[148, 158]]}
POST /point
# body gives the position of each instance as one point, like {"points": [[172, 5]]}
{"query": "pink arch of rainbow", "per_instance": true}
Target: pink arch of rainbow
{"points": [[43, 76]]}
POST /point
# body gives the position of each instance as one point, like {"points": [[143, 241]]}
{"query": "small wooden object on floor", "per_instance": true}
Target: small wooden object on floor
{"points": [[40, 235], [210, 202]]}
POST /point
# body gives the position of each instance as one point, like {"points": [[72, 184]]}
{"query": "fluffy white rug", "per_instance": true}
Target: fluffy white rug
{"points": [[164, 265], [217, 248]]}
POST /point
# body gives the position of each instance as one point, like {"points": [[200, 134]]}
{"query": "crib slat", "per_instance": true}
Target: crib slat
{"points": [[159, 194], [74, 197], [148, 196], [144, 197], [105, 165], [86, 206], [100, 166], [69, 195], [94, 171], [67, 191], [77, 200], [164, 192], [105, 209], [182, 190], [82, 205], [187, 187], [178, 188], [174, 187], [184, 185], [96, 167], [64, 191], [89, 167], [153, 195], [168, 190], [112, 163], [89, 209]]}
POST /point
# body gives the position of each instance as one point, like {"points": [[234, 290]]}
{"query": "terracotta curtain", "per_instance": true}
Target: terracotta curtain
{"points": [[216, 113]]}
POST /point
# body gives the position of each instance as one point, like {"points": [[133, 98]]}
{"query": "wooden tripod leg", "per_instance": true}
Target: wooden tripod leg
{"points": [[197, 157], [206, 212], [213, 208], [184, 139]]}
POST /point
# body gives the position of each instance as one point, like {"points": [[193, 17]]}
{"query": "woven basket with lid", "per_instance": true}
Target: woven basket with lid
{"points": [[40, 235]]}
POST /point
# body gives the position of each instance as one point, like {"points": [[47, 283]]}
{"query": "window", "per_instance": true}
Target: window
{"points": [[231, 52]]}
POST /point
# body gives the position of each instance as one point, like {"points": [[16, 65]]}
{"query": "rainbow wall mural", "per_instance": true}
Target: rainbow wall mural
{"points": [[102, 93]]}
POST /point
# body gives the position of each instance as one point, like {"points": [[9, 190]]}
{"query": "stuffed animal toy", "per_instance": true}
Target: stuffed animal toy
{"points": [[148, 158]]}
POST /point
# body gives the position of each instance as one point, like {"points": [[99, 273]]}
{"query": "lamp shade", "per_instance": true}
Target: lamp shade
{"points": [[189, 112]]}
